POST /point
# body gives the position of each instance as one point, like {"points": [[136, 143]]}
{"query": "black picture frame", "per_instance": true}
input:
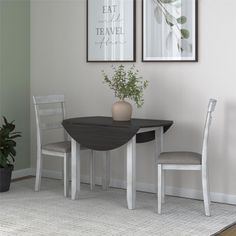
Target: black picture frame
{"points": [[195, 59], [133, 41]]}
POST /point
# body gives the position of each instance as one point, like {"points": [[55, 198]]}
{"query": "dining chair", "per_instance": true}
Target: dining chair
{"points": [[187, 161], [49, 113]]}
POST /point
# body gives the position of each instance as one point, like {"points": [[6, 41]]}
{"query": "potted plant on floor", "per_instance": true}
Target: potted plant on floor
{"points": [[126, 85], [7, 153]]}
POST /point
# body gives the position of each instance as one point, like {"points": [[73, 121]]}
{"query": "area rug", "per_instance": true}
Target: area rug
{"points": [[28, 213]]}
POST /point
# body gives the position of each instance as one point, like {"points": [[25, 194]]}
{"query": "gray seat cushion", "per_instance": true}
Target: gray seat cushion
{"points": [[64, 147], [181, 158]]}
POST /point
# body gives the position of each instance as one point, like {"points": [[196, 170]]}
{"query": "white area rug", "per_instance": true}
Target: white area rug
{"points": [[27, 213]]}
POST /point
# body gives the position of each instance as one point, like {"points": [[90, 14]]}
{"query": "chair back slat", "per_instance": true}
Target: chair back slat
{"points": [[48, 126], [211, 108], [51, 112], [48, 99]]}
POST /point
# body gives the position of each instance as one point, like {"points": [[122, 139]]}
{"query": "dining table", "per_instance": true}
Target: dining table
{"points": [[102, 133]]}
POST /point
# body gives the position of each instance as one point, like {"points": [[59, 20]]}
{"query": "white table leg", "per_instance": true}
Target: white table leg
{"points": [[156, 153], [131, 173], [75, 169], [92, 174], [159, 140], [106, 170]]}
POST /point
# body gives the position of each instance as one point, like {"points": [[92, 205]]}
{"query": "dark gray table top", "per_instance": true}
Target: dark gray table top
{"points": [[103, 133]]}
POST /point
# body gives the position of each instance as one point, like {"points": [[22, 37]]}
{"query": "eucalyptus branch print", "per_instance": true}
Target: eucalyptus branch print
{"points": [[163, 11]]}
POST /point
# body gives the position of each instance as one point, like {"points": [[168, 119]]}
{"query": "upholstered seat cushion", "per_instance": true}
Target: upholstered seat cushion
{"points": [[64, 147], [181, 158]]}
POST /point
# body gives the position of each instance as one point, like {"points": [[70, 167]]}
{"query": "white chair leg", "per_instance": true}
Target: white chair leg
{"points": [[62, 175], [66, 175], [205, 189], [163, 186], [38, 171], [92, 176], [108, 153], [106, 171], [159, 188]]}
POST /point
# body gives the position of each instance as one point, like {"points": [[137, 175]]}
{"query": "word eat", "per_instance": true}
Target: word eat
{"points": [[109, 9]]}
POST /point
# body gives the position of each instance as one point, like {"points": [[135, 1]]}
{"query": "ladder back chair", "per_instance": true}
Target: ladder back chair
{"points": [[187, 161], [52, 106]]}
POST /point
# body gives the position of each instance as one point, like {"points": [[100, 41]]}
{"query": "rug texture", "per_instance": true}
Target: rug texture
{"points": [[28, 213]]}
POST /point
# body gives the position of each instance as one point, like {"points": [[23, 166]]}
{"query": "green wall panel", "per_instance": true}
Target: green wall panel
{"points": [[15, 71]]}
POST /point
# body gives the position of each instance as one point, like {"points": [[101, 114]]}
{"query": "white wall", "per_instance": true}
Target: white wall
{"points": [[177, 91]]}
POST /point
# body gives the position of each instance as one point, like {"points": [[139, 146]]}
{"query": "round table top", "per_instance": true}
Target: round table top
{"points": [[103, 133]]}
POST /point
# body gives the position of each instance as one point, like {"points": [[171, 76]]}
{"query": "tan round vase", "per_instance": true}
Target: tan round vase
{"points": [[121, 111]]}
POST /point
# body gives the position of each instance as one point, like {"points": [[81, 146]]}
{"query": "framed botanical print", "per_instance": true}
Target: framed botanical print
{"points": [[169, 30], [110, 30]]}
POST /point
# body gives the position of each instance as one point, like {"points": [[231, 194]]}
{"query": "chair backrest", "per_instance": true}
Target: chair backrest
{"points": [[46, 107], [211, 108]]}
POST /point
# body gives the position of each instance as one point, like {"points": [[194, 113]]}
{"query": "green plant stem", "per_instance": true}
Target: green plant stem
{"points": [[165, 12]]}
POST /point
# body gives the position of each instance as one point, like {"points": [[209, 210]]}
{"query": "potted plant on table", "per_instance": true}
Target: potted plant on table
{"points": [[7, 153], [126, 85]]}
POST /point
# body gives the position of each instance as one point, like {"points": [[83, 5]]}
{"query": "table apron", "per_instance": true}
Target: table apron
{"points": [[142, 130]]}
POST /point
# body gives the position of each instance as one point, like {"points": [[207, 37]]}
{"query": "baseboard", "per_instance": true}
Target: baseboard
{"points": [[52, 174], [16, 174], [117, 183], [197, 194]]}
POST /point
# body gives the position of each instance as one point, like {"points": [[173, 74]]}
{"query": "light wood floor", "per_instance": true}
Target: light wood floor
{"points": [[231, 231]]}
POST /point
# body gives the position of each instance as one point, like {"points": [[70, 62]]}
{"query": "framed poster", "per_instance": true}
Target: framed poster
{"points": [[169, 30], [110, 30]]}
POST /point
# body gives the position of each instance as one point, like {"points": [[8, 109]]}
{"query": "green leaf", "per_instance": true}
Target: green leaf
{"points": [[169, 23], [15, 136], [13, 152], [185, 33], [11, 143], [158, 14], [182, 20], [12, 157], [5, 120], [180, 48]]}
